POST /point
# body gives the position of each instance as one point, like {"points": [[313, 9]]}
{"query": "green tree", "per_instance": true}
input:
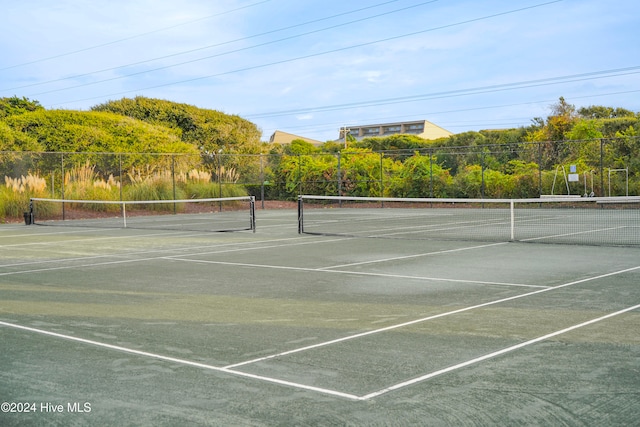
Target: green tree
{"points": [[419, 176], [331, 147], [526, 178], [392, 142], [601, 112], [82, 131], [362, 172], [14, 105], [611, 127], [300, 146], [561, 121], [585, 129], [307, 174], [225, 142], [209, 130], [14, 140]]}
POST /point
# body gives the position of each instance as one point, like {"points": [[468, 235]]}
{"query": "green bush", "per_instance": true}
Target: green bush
{"points": [[157, 188], [418, 175], [12, 204]]}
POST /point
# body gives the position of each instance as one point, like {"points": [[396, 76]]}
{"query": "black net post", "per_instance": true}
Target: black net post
{"points": [[28, 216], [300, 221], [252, 213]]}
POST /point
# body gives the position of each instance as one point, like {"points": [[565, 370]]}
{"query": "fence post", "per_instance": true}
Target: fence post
{"points": [[339, 175], [539, 169], [299, 173], [173, 181], [482, 172], [381, 175], [430, 152], [219, 156], [62, 184], [602, 167], [262, 180]]}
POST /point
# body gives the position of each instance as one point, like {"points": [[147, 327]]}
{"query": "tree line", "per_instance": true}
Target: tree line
{"points": [[520, 162], [600, 142]]}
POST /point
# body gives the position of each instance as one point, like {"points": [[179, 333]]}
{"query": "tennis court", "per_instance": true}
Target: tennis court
{"points": [[136, 326]]}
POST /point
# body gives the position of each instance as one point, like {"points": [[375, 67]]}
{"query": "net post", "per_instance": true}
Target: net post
{"points": [[300, 221], [124, 214], [30, 218], [513, 219], [252, 213]]}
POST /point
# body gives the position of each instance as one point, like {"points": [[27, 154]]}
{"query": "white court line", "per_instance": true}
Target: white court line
{"points": [[94, 239], [319, 389], [494, 354], [353, 273], [53, 233], [448, 226], [425, 319], [171, 257], [577, 233], [182, 361], [413, 256], [169, 250], [178, 233], [67, 267], [306, 242], [437, 279]]}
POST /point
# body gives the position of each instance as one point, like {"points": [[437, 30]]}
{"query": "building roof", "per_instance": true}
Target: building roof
{"points": [[280, 137], [422, 128]]}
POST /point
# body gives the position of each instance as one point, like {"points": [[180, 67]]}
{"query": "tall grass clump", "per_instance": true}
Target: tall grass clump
{"points": [[15, 195], [83, 183], [152, 185], [198, 184]]}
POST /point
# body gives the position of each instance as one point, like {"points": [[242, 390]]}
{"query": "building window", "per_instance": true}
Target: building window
{"points": [[415, 128], [391, 129]]}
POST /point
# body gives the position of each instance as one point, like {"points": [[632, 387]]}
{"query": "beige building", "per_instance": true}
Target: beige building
{"points": [[280, 137], [422, 128]]}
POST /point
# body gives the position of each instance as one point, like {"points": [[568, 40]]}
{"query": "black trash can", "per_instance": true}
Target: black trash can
{"points": [[27, 218]]}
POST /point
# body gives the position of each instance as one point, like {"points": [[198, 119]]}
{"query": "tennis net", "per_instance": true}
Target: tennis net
{"points": [[216, 214], [603, 221]]}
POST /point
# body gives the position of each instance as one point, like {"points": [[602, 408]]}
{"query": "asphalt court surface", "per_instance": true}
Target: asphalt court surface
{"points": [[319, 317]]}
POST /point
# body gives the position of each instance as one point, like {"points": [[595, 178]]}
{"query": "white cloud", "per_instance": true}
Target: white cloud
{"points": [[373, 76]]}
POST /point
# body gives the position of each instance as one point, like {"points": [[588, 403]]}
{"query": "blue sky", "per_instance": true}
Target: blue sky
{"points": [[310, 67]]}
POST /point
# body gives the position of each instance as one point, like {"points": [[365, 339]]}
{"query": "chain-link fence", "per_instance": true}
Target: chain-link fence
{"points": [[524, 170]]}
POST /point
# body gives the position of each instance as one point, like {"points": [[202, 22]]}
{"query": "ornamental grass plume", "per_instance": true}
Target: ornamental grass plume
{"points": [[196, 175], [31, 184]]}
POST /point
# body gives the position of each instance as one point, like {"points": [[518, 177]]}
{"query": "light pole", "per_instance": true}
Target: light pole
{"points": [[345, 131]]}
